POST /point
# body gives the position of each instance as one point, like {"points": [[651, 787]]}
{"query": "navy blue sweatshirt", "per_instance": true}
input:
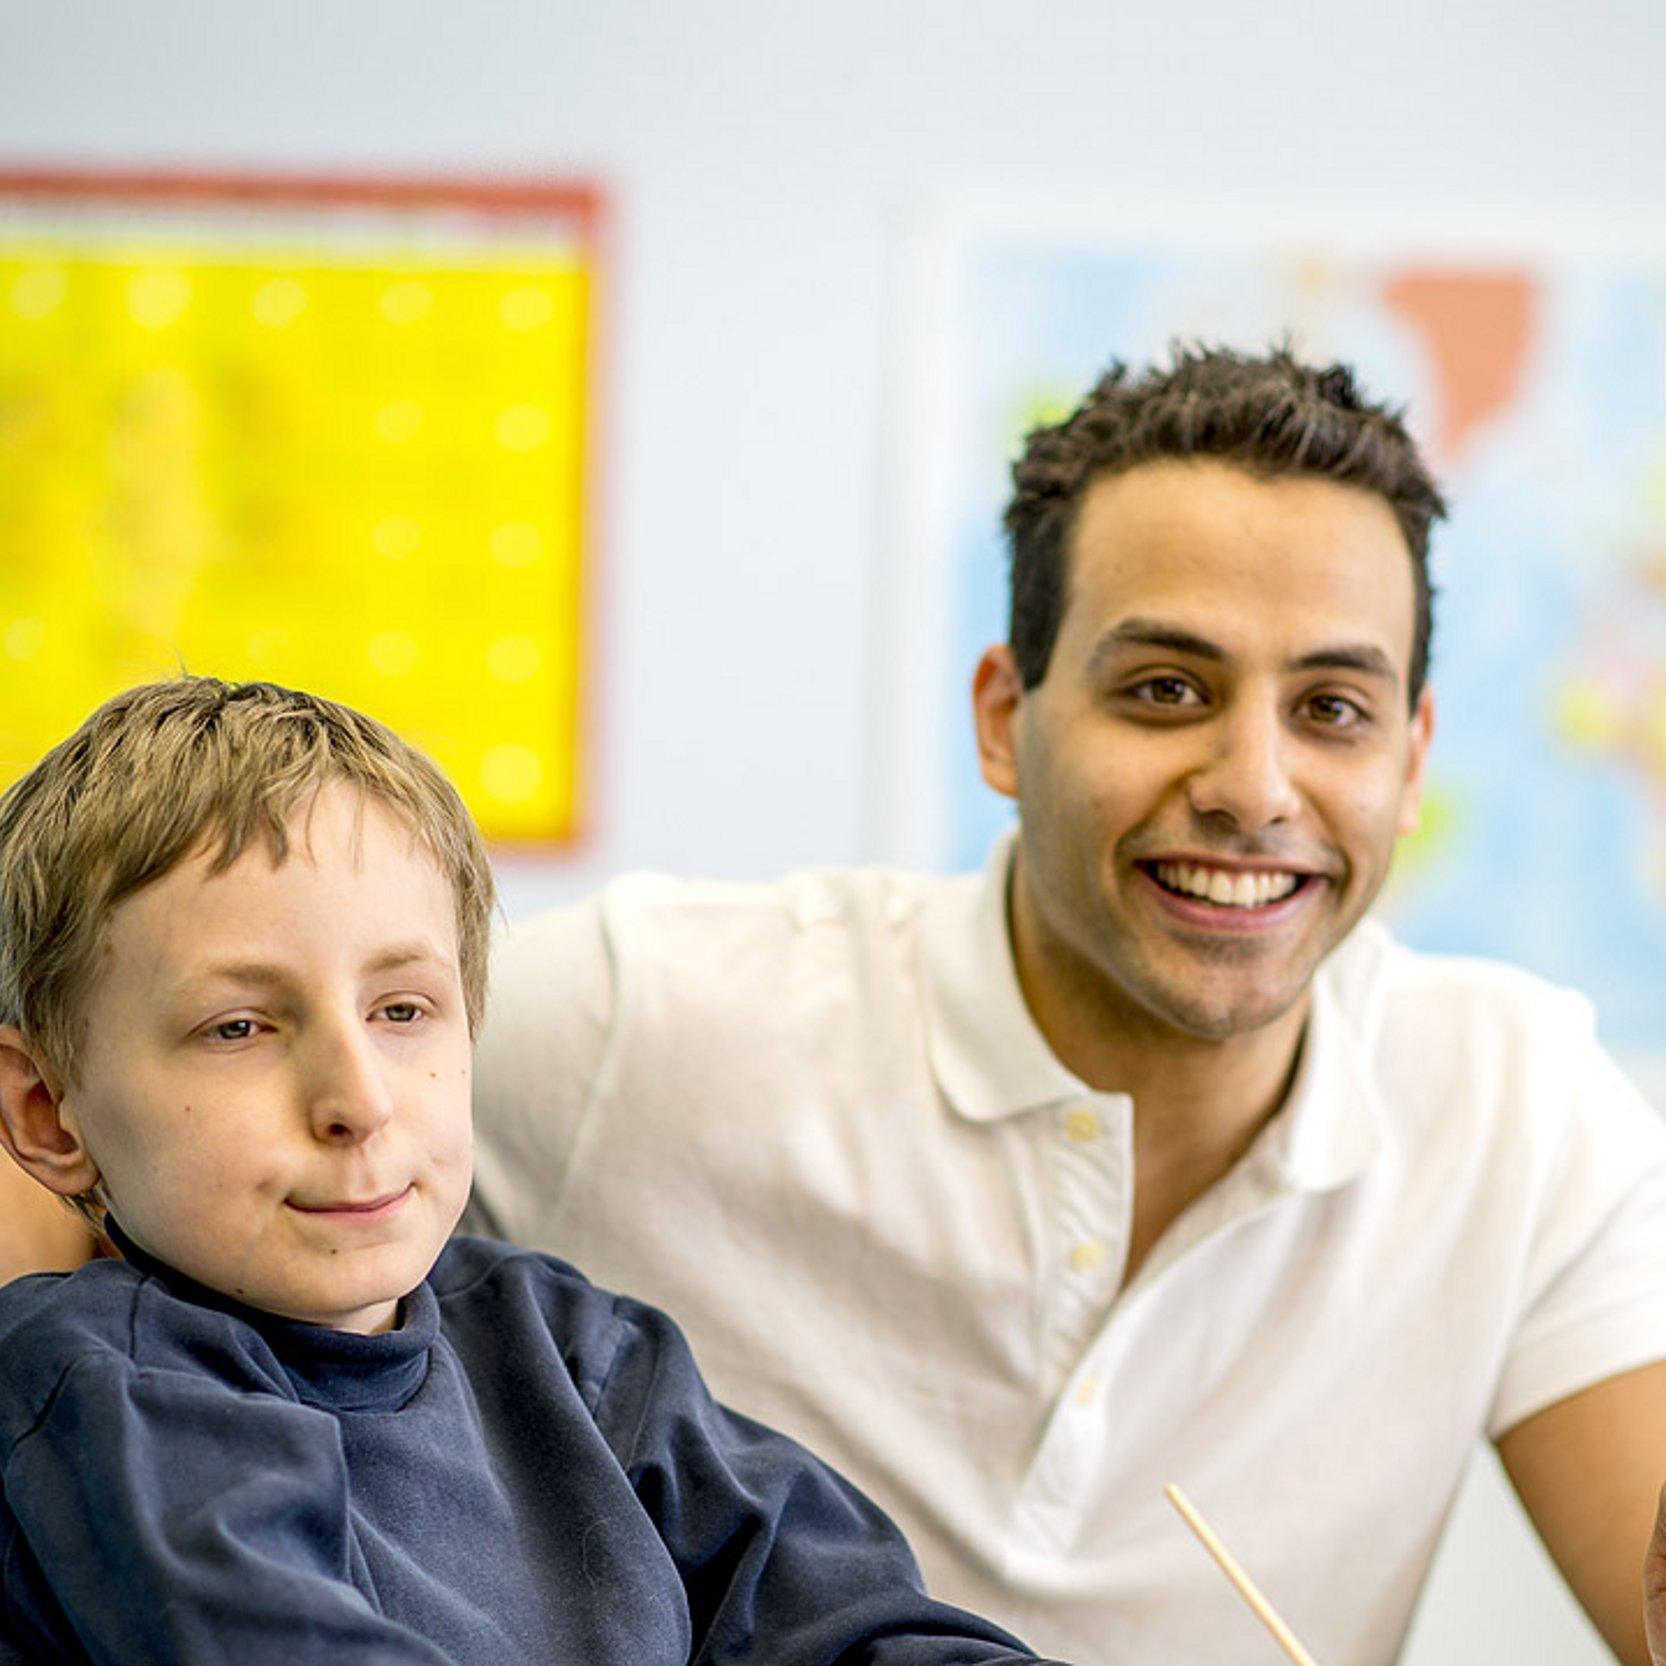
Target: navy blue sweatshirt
{"points": [[527, 1470]]}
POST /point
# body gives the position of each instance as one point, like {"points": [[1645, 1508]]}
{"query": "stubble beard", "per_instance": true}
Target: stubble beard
{"points": [[1160, 985]]}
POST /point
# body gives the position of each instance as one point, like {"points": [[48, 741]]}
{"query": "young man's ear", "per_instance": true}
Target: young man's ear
{"points": [[1422, 732], [997, 688], [32, 1129]]}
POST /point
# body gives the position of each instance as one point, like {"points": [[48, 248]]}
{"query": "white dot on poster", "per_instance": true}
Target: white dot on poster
{"points": [[514, 659], [24, 638], [396, 537], [511, 774], [156, 297], [399, 420], [526, 308], [165, 397], [523, 427], [279, 302], [516, 544], [38, 292], [392, 653], [405, 303]]}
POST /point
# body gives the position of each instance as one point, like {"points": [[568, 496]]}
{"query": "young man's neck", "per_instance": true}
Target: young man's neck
{"points": [[1186, 1087], [1199, 1101]]}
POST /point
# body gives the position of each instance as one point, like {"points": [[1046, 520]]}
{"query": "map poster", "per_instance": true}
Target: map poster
{"points": [[325, 432], [1535, 379]]}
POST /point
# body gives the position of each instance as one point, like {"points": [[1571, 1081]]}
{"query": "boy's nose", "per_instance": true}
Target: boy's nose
{"points": [[349, 1097], [1245, 779]]}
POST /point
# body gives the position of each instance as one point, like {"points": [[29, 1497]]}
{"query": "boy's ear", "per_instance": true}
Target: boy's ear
{"points": [[32, 1129]]}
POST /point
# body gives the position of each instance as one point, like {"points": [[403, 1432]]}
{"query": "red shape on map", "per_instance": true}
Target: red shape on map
{"points": [[1478, 326]]}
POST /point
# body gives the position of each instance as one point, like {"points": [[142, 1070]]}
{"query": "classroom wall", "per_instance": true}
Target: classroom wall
{"points": [[767, 161]]}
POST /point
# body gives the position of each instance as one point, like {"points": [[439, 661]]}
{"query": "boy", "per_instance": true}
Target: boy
{"points": [[242, 957]]}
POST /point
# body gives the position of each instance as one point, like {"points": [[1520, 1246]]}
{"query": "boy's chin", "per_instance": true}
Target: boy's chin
{"points": [[364, 1299]]}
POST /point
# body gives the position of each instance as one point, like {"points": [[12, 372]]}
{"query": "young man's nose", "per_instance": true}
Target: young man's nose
{"points": [[348, 1095], [1245, 778]]}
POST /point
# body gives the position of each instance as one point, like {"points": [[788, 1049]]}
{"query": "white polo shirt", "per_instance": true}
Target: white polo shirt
{"points": [[815, 1121]]}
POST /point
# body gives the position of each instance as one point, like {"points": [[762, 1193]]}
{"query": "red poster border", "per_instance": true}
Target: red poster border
{"points": [[580, 200]]}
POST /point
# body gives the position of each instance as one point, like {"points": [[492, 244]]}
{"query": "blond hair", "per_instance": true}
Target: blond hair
{"points": [[167, 769]]}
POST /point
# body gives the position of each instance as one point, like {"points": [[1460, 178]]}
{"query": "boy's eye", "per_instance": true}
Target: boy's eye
{"points": [[233, 1029], [402, 1012]]}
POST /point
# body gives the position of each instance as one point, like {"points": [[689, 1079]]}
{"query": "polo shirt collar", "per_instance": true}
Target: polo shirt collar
{"points": [[1333, 1121], [985, 1050], [991, 1061]]}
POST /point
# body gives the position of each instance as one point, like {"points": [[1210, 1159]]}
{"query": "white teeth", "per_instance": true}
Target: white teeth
{"points": [[1226, 889]]}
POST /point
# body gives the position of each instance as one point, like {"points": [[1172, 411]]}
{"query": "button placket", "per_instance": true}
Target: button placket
{"points": [[1070, 1457], [1083, 1124], [1092, 1167]]}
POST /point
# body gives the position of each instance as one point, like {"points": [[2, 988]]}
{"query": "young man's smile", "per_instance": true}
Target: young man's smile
{"points": [[1227, 896], [1214, 770]]}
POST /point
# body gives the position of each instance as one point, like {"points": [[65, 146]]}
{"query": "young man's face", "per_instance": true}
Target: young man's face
{"points": [[274, 1082], [1214, 771]]}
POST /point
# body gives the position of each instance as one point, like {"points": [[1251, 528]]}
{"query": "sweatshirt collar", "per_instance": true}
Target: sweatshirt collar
{"points": [[337, 1370]]}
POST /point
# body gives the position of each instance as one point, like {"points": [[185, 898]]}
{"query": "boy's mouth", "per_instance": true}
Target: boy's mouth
{"points": [[372, 1208]]}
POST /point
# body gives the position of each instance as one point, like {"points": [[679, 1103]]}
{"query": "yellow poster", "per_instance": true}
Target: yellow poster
{"points": [[336, 441]]}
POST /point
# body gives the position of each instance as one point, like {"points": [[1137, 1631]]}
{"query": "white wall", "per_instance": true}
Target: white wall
{"points": [[766, 158]]}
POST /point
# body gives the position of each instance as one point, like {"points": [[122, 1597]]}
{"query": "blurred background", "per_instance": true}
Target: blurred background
{"points": [[617, 399]]}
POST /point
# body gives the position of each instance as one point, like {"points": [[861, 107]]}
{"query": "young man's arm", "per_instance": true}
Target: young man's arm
{"points": [[1654, 1587], [1589, 1470], [37, 1233]]}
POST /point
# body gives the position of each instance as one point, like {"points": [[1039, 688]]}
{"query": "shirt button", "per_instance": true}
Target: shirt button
{"points": [[1085, 1257], [1087, 1388], [1082, 1126]]}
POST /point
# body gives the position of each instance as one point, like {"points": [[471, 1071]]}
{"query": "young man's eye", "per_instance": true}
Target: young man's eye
{"points": [[401, 1012], [1335, 711], [1166, 691], [232, 1029]]}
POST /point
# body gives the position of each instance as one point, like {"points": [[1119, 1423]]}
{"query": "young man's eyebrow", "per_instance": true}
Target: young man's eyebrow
{"points": [[1365, 658], [1153, 633]]}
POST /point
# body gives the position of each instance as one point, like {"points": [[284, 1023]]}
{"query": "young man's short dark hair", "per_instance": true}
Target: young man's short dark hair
{"points": [[1271, 415]]}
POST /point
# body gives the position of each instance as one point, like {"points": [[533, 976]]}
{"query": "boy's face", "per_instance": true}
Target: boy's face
{"points": [[274, 1082]]}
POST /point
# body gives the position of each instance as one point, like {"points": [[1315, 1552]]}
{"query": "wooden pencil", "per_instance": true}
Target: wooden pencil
{"points": [[1264, 1610]]}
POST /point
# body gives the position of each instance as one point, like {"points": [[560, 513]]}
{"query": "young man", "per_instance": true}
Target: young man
{"points": [[242, 956], [1143, 1157]]}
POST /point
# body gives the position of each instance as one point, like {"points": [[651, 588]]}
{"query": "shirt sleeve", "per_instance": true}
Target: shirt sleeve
{"points": [[781, 1559], [1595, 1291], [162, 1518], [546, 1031]]}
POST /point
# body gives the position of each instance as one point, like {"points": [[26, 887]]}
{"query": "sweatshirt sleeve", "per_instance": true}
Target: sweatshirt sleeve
{"points": [[781, 1559], [158, 1517]]}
